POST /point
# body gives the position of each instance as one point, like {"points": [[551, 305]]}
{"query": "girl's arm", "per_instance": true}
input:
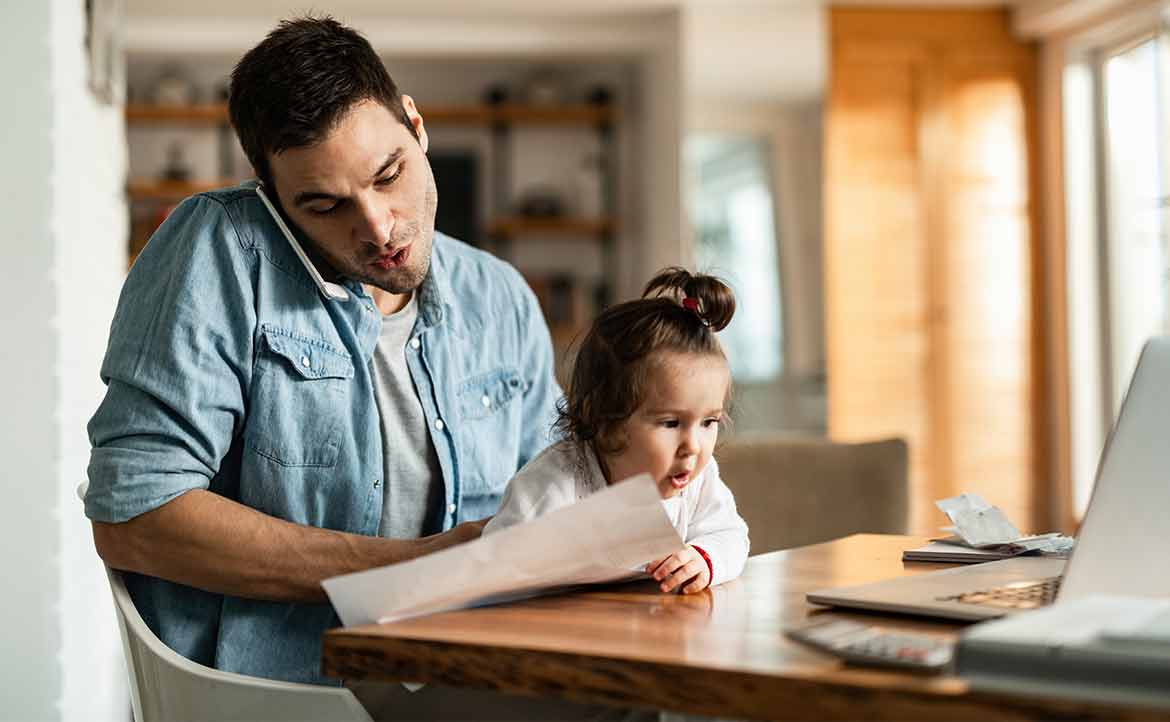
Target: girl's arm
{"points": [[717, 528], [545, 484]]}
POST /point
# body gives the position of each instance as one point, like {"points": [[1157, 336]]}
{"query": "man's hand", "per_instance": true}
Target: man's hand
{"points": [[204, 540], [465, 532], [678, 568]]}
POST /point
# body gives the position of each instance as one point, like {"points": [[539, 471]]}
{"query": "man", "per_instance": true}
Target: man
{"points": [[276, 417]]}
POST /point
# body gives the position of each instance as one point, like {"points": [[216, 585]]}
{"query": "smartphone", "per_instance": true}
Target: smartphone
{"points": [[331, 290]]}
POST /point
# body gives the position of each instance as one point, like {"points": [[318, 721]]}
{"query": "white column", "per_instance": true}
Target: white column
{"points": [[64, 250]]}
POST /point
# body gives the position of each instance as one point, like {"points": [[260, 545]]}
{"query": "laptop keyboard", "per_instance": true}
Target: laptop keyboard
{"points": [[1017, 595]]}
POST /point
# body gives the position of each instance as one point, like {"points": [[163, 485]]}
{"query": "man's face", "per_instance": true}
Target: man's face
{"points": [[364, 196]]}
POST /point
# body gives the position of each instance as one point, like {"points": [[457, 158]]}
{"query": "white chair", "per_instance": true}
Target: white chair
{"points": [[165, 685]]}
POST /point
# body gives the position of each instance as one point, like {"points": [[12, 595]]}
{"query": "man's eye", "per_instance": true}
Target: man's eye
{"points": [[322, 211], [387, 180]]}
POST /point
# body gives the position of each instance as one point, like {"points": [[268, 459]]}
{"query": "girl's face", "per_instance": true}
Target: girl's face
{"points": [[672, 434]]}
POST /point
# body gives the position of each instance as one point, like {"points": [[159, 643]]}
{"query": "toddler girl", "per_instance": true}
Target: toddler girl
{"points": [[647, 395]]}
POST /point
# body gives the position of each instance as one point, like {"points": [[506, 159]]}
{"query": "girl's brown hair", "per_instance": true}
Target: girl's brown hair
{"points": [[679, 311]]}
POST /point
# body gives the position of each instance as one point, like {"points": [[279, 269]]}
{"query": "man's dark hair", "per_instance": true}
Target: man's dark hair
{"points": [[679, 311], [294, 87]]}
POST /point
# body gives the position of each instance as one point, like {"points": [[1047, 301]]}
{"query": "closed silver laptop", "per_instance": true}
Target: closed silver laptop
{"points": [[1121, 549]]}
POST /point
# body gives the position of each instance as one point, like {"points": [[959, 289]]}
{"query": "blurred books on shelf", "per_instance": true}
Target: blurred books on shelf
{"points": [[467, 176]]}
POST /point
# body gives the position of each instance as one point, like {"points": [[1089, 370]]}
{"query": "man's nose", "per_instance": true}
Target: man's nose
{"points": [[375, 223]]}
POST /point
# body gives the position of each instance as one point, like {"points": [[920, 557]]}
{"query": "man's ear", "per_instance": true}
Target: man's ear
{"points": [[416, 121]]}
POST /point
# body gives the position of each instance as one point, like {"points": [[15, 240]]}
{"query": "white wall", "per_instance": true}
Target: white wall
{"points": [[764, 53], [64, 225], [28, 431], [661, 157]]}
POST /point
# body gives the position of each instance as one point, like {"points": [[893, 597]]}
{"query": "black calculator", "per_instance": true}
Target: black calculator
{"points": [[871, 645]]}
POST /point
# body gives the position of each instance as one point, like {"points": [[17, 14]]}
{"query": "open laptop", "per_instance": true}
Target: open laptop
{"points": [[1122, 547]]}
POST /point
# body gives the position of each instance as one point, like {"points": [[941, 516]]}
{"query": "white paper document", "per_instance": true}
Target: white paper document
{"points": [[979, 525], [607, 537], [977, 522]]}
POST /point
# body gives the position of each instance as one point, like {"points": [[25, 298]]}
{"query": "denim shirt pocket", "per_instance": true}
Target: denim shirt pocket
{"points": [[299, 396], [489, 410]]}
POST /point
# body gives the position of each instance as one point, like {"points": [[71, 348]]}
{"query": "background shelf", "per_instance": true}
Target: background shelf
{"points": [[561, 226], [476, 115]]}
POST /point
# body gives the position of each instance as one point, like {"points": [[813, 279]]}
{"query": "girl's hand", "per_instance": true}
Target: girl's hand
{"points": [[685, 565]]}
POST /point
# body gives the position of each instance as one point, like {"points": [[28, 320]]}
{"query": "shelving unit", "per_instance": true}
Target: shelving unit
{"points": [[567, 226], [506, 229], [481, 115]]}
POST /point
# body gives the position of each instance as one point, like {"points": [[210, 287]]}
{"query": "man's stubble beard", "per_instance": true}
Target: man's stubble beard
{"points": [[408, 278], [405, 280]]}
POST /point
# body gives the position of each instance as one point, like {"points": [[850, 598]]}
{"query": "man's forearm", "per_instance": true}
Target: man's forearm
{"points": [[203, 540]]}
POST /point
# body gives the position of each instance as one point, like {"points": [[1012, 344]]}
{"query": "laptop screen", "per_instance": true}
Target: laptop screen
{"points": [[1122, 548]]}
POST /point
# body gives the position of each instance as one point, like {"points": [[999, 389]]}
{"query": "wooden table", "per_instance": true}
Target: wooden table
{"points": [[721, 652]]}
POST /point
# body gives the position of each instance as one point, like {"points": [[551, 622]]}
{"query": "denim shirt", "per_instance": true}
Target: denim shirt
{"points": [[228, 370]]}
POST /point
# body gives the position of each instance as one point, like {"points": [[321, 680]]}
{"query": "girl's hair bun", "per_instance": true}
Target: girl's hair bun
{"points": [[714, 302], [614, 366]]}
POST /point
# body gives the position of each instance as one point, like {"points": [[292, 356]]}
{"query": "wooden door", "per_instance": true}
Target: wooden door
{"points": [[929, 240]]}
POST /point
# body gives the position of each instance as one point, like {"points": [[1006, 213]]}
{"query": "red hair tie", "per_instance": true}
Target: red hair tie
{"points": [[692, 304]]}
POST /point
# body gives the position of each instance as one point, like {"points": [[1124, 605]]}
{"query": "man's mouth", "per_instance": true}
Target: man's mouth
{"points": [[397, 258]]}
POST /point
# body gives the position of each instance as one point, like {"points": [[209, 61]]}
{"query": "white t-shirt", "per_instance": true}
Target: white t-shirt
{"points": [[703, 513]]}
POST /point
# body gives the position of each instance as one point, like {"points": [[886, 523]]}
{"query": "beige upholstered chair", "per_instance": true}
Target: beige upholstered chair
{"points": [[793, 491]]}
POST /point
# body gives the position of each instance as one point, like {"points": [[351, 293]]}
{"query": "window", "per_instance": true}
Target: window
{"points": [[1135, 148], [731, 202], [1117, 182]]}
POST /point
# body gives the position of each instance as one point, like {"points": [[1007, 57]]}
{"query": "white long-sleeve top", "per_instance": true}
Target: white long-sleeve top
{"points": [[703, 512]]}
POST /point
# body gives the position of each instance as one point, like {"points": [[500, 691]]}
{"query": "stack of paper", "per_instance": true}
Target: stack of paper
{"points": [[606, 537], [944, 550], [983, 533]]}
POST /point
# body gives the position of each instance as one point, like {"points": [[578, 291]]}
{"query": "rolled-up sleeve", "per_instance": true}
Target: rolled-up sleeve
{"points": [[177, 367]]}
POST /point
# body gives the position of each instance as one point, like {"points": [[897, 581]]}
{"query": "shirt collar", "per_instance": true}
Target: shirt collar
{"points": [[434, 293]]}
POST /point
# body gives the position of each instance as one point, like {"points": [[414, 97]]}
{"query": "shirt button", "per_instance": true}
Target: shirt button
{"points": [[415, 343], [486, 401], [377, 483], [305, 361], [439, 424], [450, 508]]}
